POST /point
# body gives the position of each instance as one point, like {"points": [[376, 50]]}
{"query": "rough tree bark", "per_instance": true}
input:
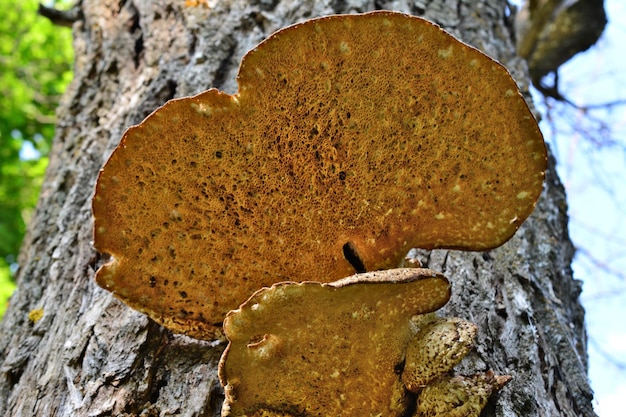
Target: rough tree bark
{"points": [[91, 355]]}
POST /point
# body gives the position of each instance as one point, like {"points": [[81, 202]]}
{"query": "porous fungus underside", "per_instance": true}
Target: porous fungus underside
{"points": [[326, 349], [351, 140]]}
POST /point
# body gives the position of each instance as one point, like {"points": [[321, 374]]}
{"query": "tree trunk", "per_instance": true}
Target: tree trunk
{"points": [[89, 354]]}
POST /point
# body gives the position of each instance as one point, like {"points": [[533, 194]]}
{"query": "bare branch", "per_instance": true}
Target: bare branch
{"points": [[60, 17]]}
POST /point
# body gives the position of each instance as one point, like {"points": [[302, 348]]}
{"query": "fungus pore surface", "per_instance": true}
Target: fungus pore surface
{"points": [[311, 349], [352, 139]]}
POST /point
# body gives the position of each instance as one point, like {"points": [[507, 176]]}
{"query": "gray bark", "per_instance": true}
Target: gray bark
{"points": [[90, 355]]}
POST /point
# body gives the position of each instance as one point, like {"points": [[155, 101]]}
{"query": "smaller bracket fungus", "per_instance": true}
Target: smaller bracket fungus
{"points": [[326, 349], [425, 358], [459, 396], [351, 140], [345, 348]]}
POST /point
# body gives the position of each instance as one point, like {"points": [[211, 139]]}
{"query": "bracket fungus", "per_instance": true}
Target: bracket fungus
{"points": [[326, 349], [352, 139], [355, 347]]}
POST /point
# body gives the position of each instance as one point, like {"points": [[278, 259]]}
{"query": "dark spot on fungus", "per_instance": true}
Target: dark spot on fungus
{"points": [[352, 255], [398, 368]]}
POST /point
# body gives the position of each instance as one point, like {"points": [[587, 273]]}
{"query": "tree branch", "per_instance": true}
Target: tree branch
{"points": [[60, 17]]}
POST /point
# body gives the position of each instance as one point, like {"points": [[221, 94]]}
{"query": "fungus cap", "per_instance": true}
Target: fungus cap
{"points": [[326, 349], [352, 139]]}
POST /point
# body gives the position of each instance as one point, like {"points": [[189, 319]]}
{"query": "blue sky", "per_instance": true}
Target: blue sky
{"points": [[593, 170]]}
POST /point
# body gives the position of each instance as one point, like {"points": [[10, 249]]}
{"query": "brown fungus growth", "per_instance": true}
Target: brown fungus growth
{"points": [[352, 139], [312, 349], [424, 362], [459, 396]]}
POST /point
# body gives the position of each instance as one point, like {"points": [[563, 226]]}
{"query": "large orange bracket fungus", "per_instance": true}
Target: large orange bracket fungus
{"points": [[351, 139], [361, 346]]}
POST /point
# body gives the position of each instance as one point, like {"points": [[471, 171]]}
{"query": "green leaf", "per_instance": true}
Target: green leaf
{"points": [[7, 286], [35, 68]]}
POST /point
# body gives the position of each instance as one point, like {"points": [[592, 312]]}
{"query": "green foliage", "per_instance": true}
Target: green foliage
{"points": [[35, 68], [6, 286]]}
